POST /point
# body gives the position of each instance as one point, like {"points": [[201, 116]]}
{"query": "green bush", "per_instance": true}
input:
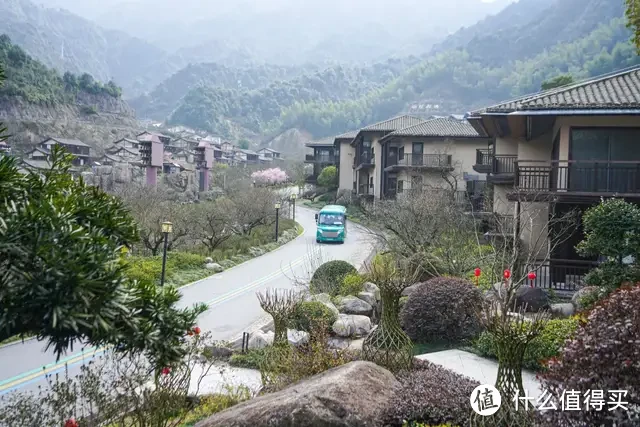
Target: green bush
{"points": [[251, 359], [146, 269], [185, 260], [311, 315], [352, 284], [214, 403], [444, 309], [329, 276], [547, 345]]}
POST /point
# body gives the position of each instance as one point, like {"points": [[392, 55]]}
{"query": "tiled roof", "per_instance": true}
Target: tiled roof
{"points": [[619, 90], [393, 124], [441, 127], [324, 142], [36, 164], [65, 141], [347, 135], [269, 149], [249, 152]]}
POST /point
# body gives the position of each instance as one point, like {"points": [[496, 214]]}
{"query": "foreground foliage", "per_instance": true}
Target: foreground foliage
{"points": [[430, 394], [603, 355], [80, 293], [329, 277]]}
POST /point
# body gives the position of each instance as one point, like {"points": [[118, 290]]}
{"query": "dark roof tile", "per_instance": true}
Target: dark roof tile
{"points": [[441, 127]]}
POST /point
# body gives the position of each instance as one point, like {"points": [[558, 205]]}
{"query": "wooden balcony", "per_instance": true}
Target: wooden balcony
{"points": [[484, 161], [365, 160], [503, 168], [420, 161], [365, 190], [320, 158], [575, 180]]}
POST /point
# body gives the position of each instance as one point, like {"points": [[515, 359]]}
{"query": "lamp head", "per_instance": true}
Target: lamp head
{"points": [[277, 205], [167, 227]]}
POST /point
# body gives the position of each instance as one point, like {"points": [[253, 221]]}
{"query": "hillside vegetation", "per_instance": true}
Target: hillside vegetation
{"points": [[35, 83], [582, 38]]}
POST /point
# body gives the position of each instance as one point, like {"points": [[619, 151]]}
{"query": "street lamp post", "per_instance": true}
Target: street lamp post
{"points": [[167, 228], [293, 201], [277, 217]]}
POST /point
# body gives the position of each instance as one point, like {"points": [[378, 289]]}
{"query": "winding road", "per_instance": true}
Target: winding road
{"points": [[230, 296]]}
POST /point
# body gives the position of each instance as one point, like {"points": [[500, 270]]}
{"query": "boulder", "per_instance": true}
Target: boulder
{"points": [[351, 326], [256, 252], [219, 352], [534, 299], [562, 310], [372, 288], [584, 291], [410, 289], [354, 305], [369, 298], [213, 267], [260, 339], [208, 260], [354, 394], [326, 300], [338, 343], [297, 338]]}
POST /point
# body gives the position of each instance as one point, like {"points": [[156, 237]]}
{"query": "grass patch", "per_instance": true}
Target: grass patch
{"points": [[432, 347], [250, 360], [187, 267], [15, 338], [214, 403]]}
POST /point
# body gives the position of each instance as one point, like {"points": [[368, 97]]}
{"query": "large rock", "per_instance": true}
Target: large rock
{"points": [[410, 289], [354, 305], [260, 339], [326, 300], [562, 310], [372, 288], [534, 299], [214, 267], [351, 326], [582, 292], [369, 298], [297, 338], [354, 394]]}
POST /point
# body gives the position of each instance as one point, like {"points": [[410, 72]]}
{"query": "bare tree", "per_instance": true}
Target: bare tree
{"points": [[252, 207], [211, 223], [151, 207]]}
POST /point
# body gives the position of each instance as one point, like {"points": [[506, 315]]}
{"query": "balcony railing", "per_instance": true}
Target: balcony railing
{"points": [[577, 176], [561, 274], [320, 158], [504, 164], [484, 156], [366, 158], [436, 161], [498, 225]]}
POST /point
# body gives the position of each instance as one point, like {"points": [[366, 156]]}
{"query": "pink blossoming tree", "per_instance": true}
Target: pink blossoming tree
{"points": [[273, 176]]}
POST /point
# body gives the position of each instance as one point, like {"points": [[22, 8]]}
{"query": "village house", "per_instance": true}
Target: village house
{"points": [[345, 155], [269, 153], [81, 152], [148, 136], [131, 144], [561, 150], [323, 156]]}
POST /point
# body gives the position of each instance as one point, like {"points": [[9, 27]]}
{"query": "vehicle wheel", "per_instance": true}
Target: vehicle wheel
{"points": [[317, 240]]}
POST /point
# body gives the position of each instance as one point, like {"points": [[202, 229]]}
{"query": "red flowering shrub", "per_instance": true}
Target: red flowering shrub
{"points": [[603, 355]]}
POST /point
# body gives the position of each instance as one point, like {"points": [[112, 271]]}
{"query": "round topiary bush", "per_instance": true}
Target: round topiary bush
{"points": [[309, 316], [329, 276], [444, 309], [603, 355]]}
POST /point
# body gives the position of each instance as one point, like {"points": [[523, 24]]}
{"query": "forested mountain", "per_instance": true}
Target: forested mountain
{"points": [[32, 82], [580, 37], [210, 107]]}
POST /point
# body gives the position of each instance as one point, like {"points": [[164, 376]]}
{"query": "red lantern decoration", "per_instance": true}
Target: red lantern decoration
{"points": [[507, 274], [477, 272], [532, 275], [71, 422], [196, 330], [166, 370]]}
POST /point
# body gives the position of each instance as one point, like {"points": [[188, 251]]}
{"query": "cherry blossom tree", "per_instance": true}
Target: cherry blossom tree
{"points": [[272, 176]]}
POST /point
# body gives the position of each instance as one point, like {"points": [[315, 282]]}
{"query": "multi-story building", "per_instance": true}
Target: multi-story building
{"points": [[269, 153], [345, 155], [562, 150], [131, 144], [435, 153], [81, 151], [323, 156]]}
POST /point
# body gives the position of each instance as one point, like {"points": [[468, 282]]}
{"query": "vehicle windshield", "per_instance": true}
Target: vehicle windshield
{"points": [[330, 219]]}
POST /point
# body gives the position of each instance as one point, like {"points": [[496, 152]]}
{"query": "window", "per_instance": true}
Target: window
{"points": [[400, 186]]}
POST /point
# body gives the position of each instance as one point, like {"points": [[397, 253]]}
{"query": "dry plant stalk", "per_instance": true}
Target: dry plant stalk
{"points": [[280, 304]]}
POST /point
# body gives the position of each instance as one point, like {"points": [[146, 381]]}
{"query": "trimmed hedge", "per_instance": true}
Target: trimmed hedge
{"points": [[352, 284], [444, 309], [547, 345], [329, 276], [309, 316]]}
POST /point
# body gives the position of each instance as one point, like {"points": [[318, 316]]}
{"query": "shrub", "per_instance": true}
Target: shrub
{"points": [[430, 394], [312, 315], [603, 355], [442, 309], [185, 260], [352, 284], [547, 345], [251, 359], [214, 403], [329, 276]]}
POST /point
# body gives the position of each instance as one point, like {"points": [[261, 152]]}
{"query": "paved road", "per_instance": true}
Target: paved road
{"points": [[230, 295]]}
